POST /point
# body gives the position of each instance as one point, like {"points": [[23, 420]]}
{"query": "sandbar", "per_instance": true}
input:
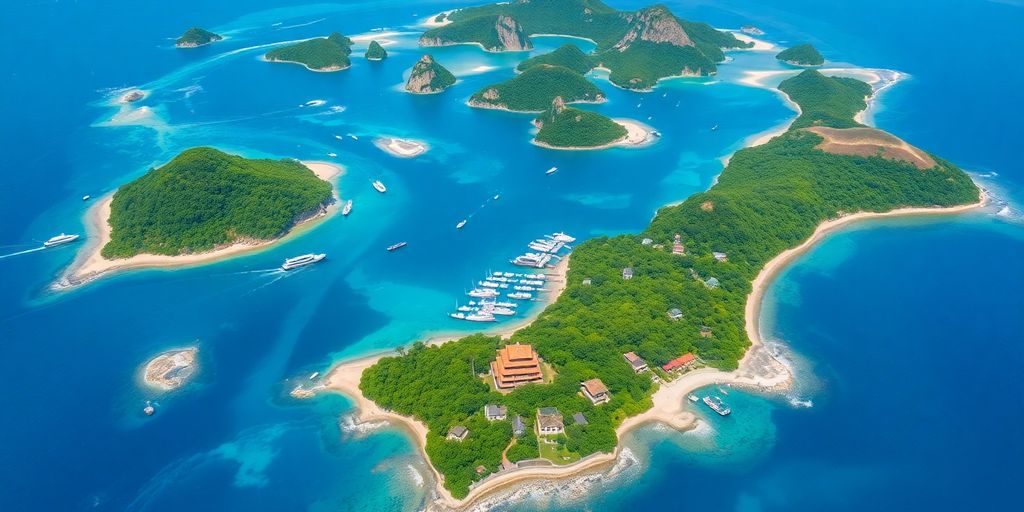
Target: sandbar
{"points": [[402, 148]]}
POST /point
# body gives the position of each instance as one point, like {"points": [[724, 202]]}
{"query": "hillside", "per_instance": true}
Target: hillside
{"points": [[568, 56], [428, 76], [329, 53], [204, 198], [801, 55], [499, 33], [565, 127], [375, 51], [824, 100], [535, 89], [195, 37]]}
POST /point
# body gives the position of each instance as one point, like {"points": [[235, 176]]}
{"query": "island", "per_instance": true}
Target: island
{"points": [[561, 127], [568, 56], [534, 89], [172, 369], [132, 96], [324, 54], [402, 148], [500, 33], [637, 48], [554, 397], [801, 55], [196, 37], [202, 206], [376, 52], [429, 77]]}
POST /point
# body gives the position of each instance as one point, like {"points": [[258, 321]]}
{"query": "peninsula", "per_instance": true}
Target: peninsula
{"points": [[202, 206], [327, 54], [801, 55], [638, 48], [683, 309], [196, 37], [428, 77], [534, 89]]}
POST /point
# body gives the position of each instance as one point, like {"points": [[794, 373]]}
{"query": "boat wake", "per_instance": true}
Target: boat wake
{"points": [[19, 253], [799, 403]]}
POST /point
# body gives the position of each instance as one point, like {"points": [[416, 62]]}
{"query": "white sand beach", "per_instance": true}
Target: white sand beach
{"points": [[402, 148], [759, 45]]}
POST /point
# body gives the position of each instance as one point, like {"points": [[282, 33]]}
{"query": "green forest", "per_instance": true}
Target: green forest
{"points": [[196, 36], [534, 89], [801, 54], [375, 51], [644, 63], [204, 198], [769, 198], [441, 79], [568, 56], [826, 100], [480, 30], [575, 128], [322, 53]]}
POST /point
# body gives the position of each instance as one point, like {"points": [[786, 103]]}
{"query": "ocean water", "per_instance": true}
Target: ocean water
{"points": [[904, 332]]}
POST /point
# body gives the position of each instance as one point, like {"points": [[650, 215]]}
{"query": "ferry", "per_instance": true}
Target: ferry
{"points": [[716, 404], [460, 224], [302, 261], [60, 239], [347, 209], [397, 246], [551, 170], [377, 184]]}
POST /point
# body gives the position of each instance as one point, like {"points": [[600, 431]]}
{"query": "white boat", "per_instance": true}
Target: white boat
{"points": [[496, 196], [457, 316], [551, 170], [347, 209], [483, 293], [520, 295], [314, 375], [302, 261], [332, 155], [562, 237], [716, 404], [377, 184], [339, 137], [656, 133], [500, 311], [60, 239], [481, 317], [460, 224], [86, 197], [714, 128], [693, 398], [465, 309], [353, 137], [487, 284]]}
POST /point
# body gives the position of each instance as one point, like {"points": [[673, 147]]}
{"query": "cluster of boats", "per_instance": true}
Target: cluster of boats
{"points": [[715, 403], [489, 304], [547, 249]]}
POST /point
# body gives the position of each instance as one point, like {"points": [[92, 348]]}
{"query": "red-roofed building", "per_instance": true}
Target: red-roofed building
{"points": [[680, 362]]}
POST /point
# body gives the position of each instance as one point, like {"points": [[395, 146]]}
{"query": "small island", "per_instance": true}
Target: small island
{"points": [[534, 89], [429, 77], [376, 52], [561, 127], [801, 55], [324, 54], [132, 96], [501, 33], [172, 369], [402, 148], [568, 56], [202, 206], [196, 37]]}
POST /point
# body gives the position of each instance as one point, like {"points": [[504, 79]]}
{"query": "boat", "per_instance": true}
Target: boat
{"points": [[457, 316], [551, 170], [716, 404], [480, 317], [347, 209], [496, 196], [532, 260], [562, 237], [314, 375], [499, 311], [488, 284], [60, 239], [339, 137], [465, 309], [460, 224], [86, 197], [520, 295], [693, 398], [397, 246], [483, 293], [353, 137], [714, 128], [302, 261], [656, 133], [332, 155], [377, 184]]}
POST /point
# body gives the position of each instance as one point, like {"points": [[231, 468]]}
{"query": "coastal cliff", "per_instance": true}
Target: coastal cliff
{"points": [[428, 77], [655, 24], [501, 33]]}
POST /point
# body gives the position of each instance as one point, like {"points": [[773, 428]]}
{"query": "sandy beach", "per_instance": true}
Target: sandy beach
{"points": [[90, 264], [759, 45], [402, 148], [637, 135]]}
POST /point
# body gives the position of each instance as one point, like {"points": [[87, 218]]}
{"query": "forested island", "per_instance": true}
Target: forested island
{"points": [[375, 51], [801, 55], [534, 89], [429, 77], [494, 33], [706, 252], [196, 37], [568, 56], [204, 199], [565, 127], [638, 48], [329, 53]]}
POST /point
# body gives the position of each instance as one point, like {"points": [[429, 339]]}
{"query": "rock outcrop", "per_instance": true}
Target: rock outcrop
{"points": [[428, 77], [511, 34], [655, 24], [501, 33]]}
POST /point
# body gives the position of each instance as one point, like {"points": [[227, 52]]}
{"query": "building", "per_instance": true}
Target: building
{"points": [[646, 241], [596, 391], [705, 331], [515, 365], [675, 313], [457, 433], [680, 362], [518, 427], [721, 256], [627, 273], [587, 281], [712, 282], [579, 419], [549, 421], [677, 246], [637, 362], [494, 412]]}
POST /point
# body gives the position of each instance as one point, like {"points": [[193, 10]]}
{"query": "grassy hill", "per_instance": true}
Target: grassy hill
{"points": [[825, 100], [535, 89], [565, 127], [329, 53]]}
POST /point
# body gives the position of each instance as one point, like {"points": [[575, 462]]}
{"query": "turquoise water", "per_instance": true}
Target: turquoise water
{"points": [[895, 301]]}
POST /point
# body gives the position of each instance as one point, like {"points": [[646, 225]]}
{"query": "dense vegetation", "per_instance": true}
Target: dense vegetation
{"points": [[320, 54], [824, 100], [535, 89], [564, 127], [802, 55], [644, 63], [204, 198], [196, 36], [428, 76], [482, 30], [376, 52], [568, 56]]}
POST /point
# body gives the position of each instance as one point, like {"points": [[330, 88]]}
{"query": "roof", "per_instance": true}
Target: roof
{"points": [[458, 430], [595, 387], [548, 411], [579, 419], [633, 358], [675, 312], [518, 351], [495, 410], [627, 270], [517, 424], [550, 421], [719, 255], [684, 359], [647, 241], [712, 281]]}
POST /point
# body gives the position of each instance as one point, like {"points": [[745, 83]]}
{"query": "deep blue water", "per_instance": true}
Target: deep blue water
{"points": [[905, 332]]}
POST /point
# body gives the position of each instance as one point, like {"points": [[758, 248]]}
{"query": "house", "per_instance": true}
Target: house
{"points": [[586, 282], [518, 427], [627, 273], [457, 433], [579, 419], [549, 421], [720, 256], [712, 282], [646, 241], [494, 412], [705, 331], [596, 391], [680, 362], [516, 365], [675, 313], [637, 362], [677, 246]]}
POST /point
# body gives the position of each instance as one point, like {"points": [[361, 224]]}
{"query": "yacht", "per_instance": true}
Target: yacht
{"points": [[716, 404], [483, 293], [332, 155], [302, 261], [499, 311], [693, 398], [488, 284], [60, 239], [551, 170], [353, 137], [714, 128], [496, 196], [520, 296], [397, 246], [377, 184], [460, 224], [86, 197], [480, 317], [347, 209], [562, 237]]}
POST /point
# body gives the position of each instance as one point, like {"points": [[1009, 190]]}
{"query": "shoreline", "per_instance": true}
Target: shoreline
{"points": [[502, 108], [401, 148], [332, 69], [89, 265], [638, 135]]}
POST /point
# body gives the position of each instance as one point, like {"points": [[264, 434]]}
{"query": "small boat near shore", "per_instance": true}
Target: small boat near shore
{"points": [[347, 209], [302, 261], [461, 224], [716, 404], [397, 246], [379, 185], [693, 398], [86, 197], [60, 239]]}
